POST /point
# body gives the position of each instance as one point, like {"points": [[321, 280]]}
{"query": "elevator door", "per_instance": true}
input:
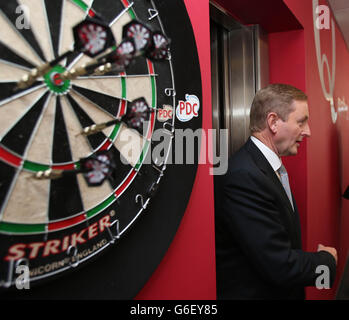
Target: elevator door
{"points": [[239, 67]]}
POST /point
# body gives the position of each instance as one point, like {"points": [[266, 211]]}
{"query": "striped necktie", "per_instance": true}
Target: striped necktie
{"points": [[285, 183]]}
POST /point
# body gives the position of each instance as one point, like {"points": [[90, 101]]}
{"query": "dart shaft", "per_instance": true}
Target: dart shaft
{"points": [[60, 58], [29, 78], [51, 174], [97, 68], [98, 127], [48, 174]]}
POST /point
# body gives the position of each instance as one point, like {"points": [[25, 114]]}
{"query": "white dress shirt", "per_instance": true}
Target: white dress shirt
{"points": [[270, 155], [276, 164]]}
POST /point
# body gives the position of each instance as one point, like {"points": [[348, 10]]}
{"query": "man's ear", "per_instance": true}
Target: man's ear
{"points": [[272, 119]]}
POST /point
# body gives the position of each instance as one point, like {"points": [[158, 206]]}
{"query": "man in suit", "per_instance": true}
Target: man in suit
{"points": [[258, 240]]}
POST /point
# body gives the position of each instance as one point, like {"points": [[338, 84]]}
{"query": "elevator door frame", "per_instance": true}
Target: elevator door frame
{"points": [[244, 69]]}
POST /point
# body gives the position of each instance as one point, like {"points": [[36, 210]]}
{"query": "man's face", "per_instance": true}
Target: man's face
{"points": [[292, 131]]}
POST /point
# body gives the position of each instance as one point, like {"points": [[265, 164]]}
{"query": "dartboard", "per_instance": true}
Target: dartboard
{"points": [[56, 215]]}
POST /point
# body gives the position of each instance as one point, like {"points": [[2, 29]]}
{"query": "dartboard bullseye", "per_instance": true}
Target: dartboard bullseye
{"points": [[63, 193], [54, 81]]}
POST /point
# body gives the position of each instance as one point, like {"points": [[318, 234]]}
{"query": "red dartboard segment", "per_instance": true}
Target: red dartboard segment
{"points": [[106, 145], [66, 223], [91, 13], [152, 122], [125, 3], [152, 116], [70, 166], [122, 109], [150, 67], [125, 184], [10, 158], [152, 77]]}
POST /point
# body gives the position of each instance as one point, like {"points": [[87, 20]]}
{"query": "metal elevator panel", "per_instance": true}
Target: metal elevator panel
{"points": [[241, 85], [239, 67]]}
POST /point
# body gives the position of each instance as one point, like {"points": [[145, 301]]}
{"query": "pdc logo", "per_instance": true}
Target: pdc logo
{"points": [[188, 109]]}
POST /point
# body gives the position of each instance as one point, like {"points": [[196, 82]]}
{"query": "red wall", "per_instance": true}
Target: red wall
{"points": [[285, 47], [318, 174], [327, 148], [188, 269]]}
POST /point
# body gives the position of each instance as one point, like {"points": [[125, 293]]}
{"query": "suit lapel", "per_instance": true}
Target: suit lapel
{"points": [[263, 164], [292, 216]]}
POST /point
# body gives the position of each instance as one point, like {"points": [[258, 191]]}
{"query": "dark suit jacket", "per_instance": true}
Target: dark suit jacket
{"points": [[258, 240]]}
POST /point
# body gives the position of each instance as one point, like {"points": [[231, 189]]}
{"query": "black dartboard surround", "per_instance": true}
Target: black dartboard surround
{"points": [[108, 268]]}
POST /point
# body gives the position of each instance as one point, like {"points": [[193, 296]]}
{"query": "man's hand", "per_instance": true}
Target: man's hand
{"points": [[330, 250]]}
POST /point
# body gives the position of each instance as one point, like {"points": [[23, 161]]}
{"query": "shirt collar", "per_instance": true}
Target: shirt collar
{"points": [[269, 154]]}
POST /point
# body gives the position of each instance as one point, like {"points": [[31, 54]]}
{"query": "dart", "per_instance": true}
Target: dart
{"points": [[137, 113], [138, 40], [160, 47], [29, 78], [154, 45], [140, 33], [98, 127], [91, 37], [116, 60], [95, 169]]}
